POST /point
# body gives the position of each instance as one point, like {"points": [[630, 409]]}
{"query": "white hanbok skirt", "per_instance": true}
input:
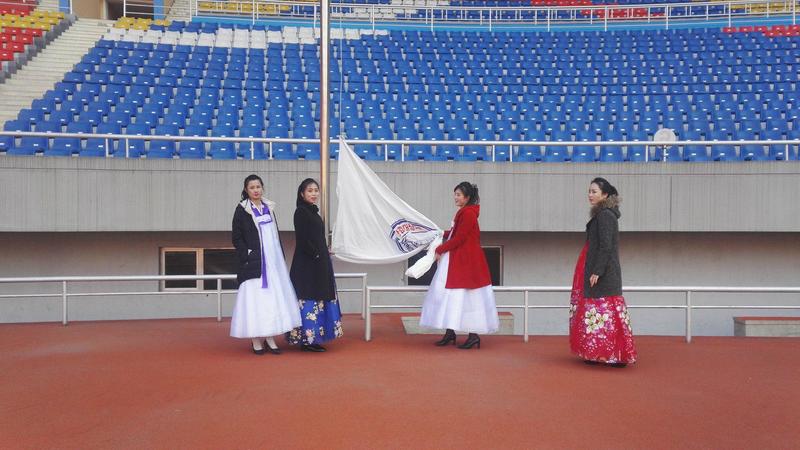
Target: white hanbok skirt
{"points": [[464, 310], [270, 311]]}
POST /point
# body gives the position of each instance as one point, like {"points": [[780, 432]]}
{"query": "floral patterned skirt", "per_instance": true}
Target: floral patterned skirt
{"points": [[599, 328], [322, 322]]}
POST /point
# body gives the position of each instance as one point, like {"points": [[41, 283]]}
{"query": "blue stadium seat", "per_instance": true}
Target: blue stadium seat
{"points": [[724, 153], [162, 148], [134, 148], [99, 147], [557, 153], [69, 146], [695, 153], [670, 154], [252, 150], [31, 145], [7, 142], [753, 152], [584, 153]]}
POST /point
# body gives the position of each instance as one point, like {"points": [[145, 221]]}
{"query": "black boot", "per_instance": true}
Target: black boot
{"points": [[449, 336], [472, 341]]}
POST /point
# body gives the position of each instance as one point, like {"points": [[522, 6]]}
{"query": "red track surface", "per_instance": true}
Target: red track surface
{"points": [[186, 384]]}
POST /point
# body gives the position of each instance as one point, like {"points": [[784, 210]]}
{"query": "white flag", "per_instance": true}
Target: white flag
{"points": [[373, 225]]}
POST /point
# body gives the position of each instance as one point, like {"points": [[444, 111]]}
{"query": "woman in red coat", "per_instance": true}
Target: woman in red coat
{"points": [[460, 297]]}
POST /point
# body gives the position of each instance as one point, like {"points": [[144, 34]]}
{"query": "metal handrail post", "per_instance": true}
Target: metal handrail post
{"points": [[363, 296], [549, 11], [64, 305], [368, 318], [219, 299], [525, 316], [730, 13], [688, 317]]}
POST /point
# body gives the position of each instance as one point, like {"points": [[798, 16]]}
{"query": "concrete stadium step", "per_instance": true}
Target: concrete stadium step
{"points": [[49, 66]]}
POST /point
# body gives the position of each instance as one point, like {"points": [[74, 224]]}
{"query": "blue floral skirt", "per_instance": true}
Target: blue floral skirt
{"points": [[322, 322]]}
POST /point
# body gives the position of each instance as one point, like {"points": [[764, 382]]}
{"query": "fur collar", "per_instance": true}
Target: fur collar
{"points": [[309, 206], [245, 204], [611, 202]]}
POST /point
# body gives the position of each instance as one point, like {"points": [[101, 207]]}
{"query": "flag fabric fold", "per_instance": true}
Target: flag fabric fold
{"points": [[375, 226]]}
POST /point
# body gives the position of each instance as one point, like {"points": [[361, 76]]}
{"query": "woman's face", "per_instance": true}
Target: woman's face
{"points": [[459, 198], [311, 193], [595, 194], [254, 190]]}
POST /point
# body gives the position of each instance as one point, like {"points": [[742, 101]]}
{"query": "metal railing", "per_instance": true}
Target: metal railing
{"points": [[526, 306], [404, 144], [65, 294], [432, 14], [170, 9]]}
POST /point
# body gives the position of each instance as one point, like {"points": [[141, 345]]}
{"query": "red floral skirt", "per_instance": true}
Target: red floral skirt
{"points": [[599, 328]]}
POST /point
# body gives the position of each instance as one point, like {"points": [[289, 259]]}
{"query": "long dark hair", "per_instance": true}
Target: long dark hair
{"points": [[469, 190], [247, 180], [302, 188], [605, 187]]}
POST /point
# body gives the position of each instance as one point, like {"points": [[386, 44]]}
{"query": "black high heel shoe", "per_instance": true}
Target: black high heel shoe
{"points": [[312, 348], [274, 351], [449, 336], [472, 341], [257, 352]]}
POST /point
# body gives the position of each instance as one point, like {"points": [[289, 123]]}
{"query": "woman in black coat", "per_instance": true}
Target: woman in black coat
{"points": [[266, 304], [599, 324], [312, 275]]}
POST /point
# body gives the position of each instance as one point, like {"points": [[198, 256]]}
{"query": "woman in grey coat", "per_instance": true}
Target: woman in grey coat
{"points": [[599, 324]]}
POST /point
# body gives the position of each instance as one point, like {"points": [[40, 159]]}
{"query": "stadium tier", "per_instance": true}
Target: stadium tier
{"points": [[20, 26], [501, 10], [220, 80]]}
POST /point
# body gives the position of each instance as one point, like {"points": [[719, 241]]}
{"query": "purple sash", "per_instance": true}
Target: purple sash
{"points": [[262, 219]]}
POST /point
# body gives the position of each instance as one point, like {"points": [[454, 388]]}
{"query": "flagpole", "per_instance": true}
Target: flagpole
{"points": [[324, 118]]}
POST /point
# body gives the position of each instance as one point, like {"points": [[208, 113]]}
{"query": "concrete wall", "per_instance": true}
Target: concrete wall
{"points": [[530, 258], [107, 194], [89, 9]]}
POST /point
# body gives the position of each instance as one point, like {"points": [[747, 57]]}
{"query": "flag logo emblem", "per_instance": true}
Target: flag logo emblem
{"points": [[409, 236]]}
